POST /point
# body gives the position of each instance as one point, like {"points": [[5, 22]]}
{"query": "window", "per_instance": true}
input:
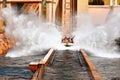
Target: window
{"points": [[96, 2]]}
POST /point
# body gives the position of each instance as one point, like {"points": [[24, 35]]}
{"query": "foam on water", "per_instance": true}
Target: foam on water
{"points": [[32, 35]]}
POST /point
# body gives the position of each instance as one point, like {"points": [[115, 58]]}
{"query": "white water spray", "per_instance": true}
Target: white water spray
{"points": [[32, 35], [99, 39]]}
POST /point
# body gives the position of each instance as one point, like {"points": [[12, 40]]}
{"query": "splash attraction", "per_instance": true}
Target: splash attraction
{"points": [[59, 39], [68, 41]]}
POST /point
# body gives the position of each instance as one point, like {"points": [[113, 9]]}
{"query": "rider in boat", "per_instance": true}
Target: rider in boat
{"points": [[68, 40]]}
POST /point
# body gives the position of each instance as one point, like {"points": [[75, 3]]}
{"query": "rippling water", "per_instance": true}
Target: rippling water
{"points": [[66, 66], [17, 68], [109, 68]]}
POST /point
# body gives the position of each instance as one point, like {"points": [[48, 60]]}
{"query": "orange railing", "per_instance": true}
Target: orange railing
{"points": [[91, 66], [41, 66], [5, 43]]}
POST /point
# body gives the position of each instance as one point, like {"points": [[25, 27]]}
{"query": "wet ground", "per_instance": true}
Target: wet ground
{"points": [[17, 68]]}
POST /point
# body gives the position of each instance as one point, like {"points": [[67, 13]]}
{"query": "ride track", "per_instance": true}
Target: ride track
{"points": [[65, 65]]}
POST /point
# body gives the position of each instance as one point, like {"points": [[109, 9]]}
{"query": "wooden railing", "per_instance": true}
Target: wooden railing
{"points": [[41, 66], [91, 66]]}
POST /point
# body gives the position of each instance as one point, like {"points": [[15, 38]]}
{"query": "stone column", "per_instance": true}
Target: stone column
{"points": [[67, 17], [113, 2], [49, 10]]}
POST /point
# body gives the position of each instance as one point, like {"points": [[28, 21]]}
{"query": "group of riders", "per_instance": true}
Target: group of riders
{"points": [[68, 39]]}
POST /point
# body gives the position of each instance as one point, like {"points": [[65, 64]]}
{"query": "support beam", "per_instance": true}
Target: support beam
{"points": [[49, 10], [55, 3], [67, 17], [1, 22]]}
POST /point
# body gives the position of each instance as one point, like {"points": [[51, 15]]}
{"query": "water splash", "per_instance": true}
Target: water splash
{"points": [[99, 39], [33, 35]]}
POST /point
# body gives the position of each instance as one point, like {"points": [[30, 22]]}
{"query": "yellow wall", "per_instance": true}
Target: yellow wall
{"points": [[107, 2], [82, 6], [118, 1]]}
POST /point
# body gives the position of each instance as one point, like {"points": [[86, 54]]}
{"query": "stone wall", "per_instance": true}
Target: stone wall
{"points": [[5, 43]]}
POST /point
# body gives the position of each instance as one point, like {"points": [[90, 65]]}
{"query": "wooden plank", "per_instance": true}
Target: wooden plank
{"points": [[43, 63], [91, 66], [35, 75], [47, 57]]}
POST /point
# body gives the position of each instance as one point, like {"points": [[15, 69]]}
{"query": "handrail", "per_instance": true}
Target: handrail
{"points": [[48, 56], [42, 65]]}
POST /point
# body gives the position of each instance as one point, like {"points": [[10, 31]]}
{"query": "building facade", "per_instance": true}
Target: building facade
{"points": [[61, 12]]}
